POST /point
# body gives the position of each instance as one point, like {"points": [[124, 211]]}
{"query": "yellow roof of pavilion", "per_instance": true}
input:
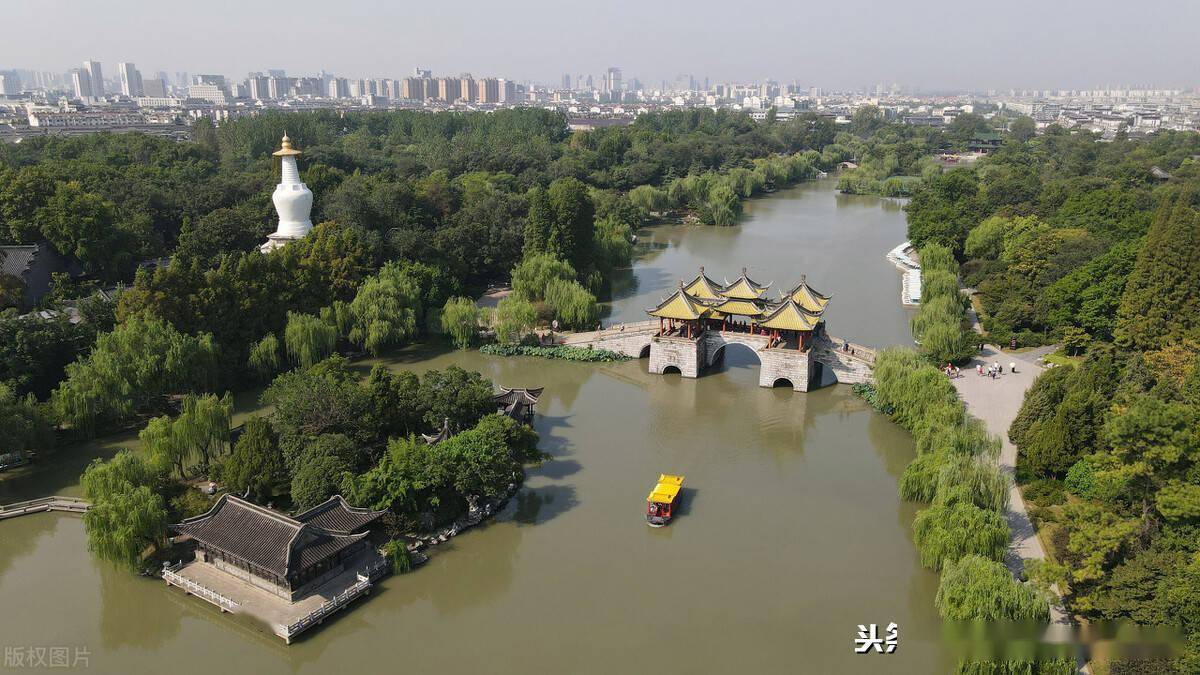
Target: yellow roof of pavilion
{"points": [[744, 288], [790, 316], [679, 306], [704, 288], [807, 298], [738, 307]]}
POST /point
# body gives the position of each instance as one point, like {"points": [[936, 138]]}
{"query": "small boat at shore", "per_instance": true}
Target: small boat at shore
{"points": [[662, 500]]}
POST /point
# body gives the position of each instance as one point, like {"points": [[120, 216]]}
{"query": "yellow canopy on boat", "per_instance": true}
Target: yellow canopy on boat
{"points": [[666, 490]]}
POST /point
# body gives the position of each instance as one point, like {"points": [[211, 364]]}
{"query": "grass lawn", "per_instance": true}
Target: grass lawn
{"points": [[1060, 358]]}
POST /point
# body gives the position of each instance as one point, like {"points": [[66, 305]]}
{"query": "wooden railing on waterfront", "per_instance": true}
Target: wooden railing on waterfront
{"points": [[43, 504], [171, 576]]}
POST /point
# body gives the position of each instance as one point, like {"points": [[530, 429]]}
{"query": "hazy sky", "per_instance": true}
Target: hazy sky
{"points": [[834, 43]]}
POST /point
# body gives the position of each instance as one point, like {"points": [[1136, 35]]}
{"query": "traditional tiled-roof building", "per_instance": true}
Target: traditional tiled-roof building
{"points": [[275, 552], [34, 265]]}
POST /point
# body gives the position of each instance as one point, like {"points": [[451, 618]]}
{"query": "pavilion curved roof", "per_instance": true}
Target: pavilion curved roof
{"points": [[738, 307], [809, 299], [680, 306], [703, 288], [790, 316], [744, 288]]}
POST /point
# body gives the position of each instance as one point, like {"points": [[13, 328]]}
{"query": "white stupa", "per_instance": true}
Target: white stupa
{"points": [[293, 201]]}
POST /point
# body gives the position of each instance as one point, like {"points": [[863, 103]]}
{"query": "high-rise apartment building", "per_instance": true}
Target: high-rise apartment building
{"points": [[339, 87], [154, 87], [10, 83], [448, 89], [612, 80], [566, 81], [278, 86], [488, 90], [256, 86], [96, 75], [82, 83], [131, 79], [416, 88], [467, 90]]}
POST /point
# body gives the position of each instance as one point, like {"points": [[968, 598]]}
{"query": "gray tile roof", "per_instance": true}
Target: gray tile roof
{"points": [[336, 515], [16, 260], [272, 540]]}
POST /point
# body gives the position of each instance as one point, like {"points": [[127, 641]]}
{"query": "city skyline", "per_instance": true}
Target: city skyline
{"points": [[840, 47]]}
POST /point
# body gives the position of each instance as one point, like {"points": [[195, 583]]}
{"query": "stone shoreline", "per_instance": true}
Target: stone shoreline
{"points": [[910, 282], [475, 515]]}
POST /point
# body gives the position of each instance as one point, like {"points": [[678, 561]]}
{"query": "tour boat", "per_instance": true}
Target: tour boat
{"points": [[662, 500]]}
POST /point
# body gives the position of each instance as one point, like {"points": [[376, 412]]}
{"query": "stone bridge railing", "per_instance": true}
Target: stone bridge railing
{"points": [[627, 338], [850, 363]]}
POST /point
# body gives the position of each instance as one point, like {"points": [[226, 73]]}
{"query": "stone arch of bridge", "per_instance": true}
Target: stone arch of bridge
{"points": [[715, 356]]}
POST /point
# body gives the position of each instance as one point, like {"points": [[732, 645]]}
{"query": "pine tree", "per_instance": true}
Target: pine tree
{"points": [[1161, 303]]}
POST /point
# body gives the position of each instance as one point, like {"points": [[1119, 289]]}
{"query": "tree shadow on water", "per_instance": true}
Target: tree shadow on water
{"points": [[538, 505], [555, 469], [548, 442]]}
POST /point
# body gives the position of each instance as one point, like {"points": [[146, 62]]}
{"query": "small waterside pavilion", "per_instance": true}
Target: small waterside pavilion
{"points": [[518, 403]]}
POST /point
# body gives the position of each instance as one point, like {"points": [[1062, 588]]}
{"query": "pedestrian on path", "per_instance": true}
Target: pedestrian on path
{"points": [[979, 368], [1012, 366]]}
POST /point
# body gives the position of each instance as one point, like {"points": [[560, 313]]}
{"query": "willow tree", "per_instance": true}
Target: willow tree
{"points": [[536, 271], [308, 339], [127, 516], [204, 425], [648, 198], [573, 305], [199, 434], [265, 358], [460, 320], [121, 528], [966, 480], [946, 533], [130, 369], [977, 589], [161, 445], [384, 311], [515, 317], [722, 206]]}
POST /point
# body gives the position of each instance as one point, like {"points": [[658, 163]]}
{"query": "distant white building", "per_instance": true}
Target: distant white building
{"points": [[208, 92], [84, 120]]}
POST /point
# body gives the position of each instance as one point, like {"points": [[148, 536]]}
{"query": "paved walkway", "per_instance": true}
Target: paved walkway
{"points": [[997, 402]]}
